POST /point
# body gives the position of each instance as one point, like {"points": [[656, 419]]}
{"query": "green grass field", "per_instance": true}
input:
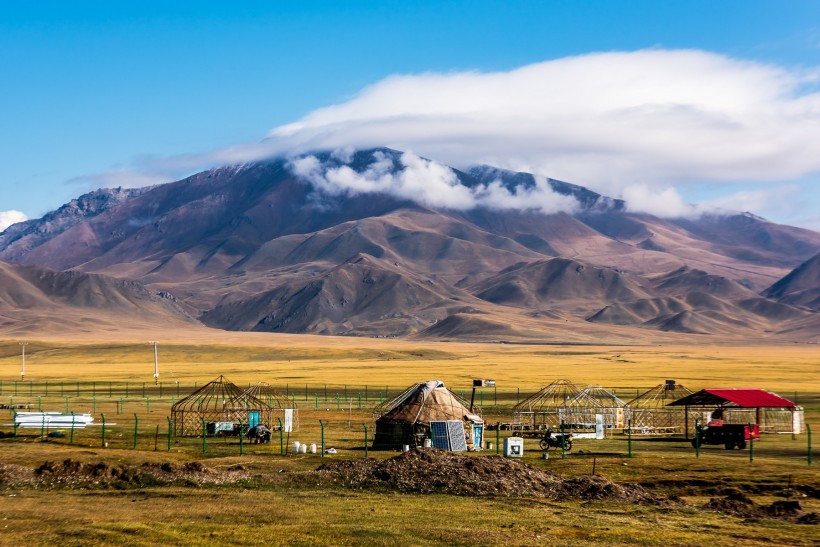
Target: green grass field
{"points": [[283, 506]]}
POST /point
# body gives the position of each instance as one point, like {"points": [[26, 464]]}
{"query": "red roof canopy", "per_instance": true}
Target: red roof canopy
{"points": [[744, 398]]}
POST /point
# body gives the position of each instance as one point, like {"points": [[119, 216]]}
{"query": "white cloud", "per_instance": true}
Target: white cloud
{"points": [[614, 122], [423, 181], [664, 202], [779, 200], [7, 218]]}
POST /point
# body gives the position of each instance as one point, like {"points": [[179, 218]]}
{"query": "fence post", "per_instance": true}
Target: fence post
{"points": [[497, 437], [365, 439], [697, 437], [316, 395], [241, 437], [281, 437], [39, 404], [169, 433], [66, 405], [321, 423], [808, 454], [14, 419], [629, 436], [563, 441], [71, 438], [119, 408], [204, 437], [103, 430], [751, 444], [94, 403], [136, 426]]}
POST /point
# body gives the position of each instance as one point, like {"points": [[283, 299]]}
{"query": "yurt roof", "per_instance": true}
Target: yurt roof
{"points": [[660, 396], [218, 394], [425, 402], [596, 396], [265, 393], [554, 395]]}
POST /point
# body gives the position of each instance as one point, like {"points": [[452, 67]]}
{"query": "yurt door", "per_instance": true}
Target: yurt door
{"points": [[478, 435], [253, 419]]}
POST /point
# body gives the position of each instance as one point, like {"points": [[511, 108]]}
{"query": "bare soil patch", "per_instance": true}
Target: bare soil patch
{"points": [[438, 471], [740, 505]]}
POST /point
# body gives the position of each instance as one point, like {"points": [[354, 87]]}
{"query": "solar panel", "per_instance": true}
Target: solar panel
{"points": [[458, 442], [440, 435]]}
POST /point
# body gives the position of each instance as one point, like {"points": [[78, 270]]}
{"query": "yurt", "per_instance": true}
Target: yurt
{"points": [[219, 401], [283, 409], [546, 408], [405, 419]]}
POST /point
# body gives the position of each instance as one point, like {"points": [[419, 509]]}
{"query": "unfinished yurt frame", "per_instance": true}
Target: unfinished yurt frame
{"points": [[649, 414], [580, 411], [405, 419], [216, 401], [277, 402], [544, 409]]}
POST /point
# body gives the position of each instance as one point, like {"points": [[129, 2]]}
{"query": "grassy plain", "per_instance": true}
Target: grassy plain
{"points": [[287, 508]]}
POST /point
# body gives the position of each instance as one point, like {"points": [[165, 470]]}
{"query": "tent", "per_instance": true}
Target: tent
{"points": [[771, 412], [405, 419], [219, 401]]}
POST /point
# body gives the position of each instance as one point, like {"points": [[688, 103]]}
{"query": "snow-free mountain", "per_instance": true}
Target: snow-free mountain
{"points": [[360, 244]]}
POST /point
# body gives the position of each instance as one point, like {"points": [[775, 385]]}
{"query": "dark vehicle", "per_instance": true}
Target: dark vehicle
{"points": [[555, 440], [729, 435]]}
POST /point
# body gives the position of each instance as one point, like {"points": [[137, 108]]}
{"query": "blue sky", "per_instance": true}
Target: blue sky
{"points": [[95, 88]]}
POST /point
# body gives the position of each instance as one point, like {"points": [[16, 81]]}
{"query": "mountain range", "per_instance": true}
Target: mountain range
{"points": [[354, 246]]}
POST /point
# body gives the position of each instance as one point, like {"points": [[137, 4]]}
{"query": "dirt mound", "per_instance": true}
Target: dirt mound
{"points": [[431, 470], [71, 474], [740, 505], [601, 488]]}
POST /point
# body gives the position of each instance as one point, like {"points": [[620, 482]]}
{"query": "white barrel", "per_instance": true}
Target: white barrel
{"points": [[313, 448], [428, 443], [405, 448], [296, 446], [303, 449]]}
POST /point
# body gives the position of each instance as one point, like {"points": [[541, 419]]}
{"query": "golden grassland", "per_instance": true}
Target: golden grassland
{"points": [[295, 512], [332, 360]]}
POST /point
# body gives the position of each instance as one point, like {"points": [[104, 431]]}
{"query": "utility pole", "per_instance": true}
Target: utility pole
{"points": [[156, 363], [23, 369]]}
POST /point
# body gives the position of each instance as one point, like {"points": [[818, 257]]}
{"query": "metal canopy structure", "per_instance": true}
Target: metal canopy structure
{"points": [[581, 410], [772, 413], [740, 397], [216, 401]]}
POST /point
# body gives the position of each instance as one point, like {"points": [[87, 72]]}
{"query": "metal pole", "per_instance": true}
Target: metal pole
{"points": [[204, 437], [169, 433], [316, 402], [697, 437], [497, 437], [136, 429], [71, 439], [14, 420], [563, 443], [241, 438], [103, 430], [808, 454], [281, 437], [629, 436], [321, 423], [156, 363], [23, 369], [365, 439]]}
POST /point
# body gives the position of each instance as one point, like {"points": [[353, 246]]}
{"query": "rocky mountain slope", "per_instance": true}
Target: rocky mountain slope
{"points": [[355, 246]]}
